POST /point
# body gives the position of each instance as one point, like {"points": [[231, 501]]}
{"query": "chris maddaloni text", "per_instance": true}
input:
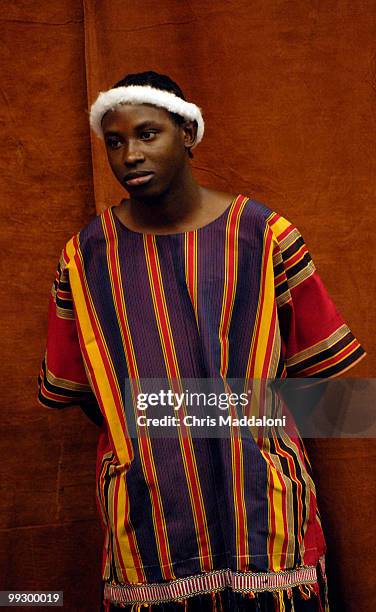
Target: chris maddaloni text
{"points": [[222, 420]]}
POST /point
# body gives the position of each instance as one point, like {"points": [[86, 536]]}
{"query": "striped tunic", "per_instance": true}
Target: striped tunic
{"points": [[238, 298]]}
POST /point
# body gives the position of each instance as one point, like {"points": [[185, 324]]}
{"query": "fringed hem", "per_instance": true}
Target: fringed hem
{"points": [[298, 599], [223, 588]]}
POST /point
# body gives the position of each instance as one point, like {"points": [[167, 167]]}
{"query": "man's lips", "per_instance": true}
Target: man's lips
{"points": [[138, 178]]}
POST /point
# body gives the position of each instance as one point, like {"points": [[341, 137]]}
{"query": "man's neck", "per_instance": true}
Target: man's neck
{"points": [[180, 205]]}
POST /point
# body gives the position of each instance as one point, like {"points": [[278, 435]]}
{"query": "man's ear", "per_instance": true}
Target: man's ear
{"points": [[190, 133]]}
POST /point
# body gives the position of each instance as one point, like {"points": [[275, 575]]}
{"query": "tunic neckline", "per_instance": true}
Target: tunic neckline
{"points": [[201, 227]]}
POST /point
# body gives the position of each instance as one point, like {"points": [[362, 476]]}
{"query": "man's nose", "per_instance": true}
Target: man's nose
{"points": [[133, 154]]}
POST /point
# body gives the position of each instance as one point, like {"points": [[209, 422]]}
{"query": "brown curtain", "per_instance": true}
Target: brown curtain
{"points": [[287, 90]]}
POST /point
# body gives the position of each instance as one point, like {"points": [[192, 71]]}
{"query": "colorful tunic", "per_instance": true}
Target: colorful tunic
{"points": [[237, 298]]}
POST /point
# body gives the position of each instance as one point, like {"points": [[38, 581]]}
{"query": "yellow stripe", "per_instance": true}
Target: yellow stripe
{"points": [[264, 315], [262, 395], [95, 358], [279, 226], [279, 530], [105, 391]]}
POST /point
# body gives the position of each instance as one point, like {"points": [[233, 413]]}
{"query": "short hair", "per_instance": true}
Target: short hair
{"points": [[158, 81]]}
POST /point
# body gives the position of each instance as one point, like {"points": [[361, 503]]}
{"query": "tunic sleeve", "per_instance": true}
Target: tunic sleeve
{"points": [[316, 339], [63, 380]]}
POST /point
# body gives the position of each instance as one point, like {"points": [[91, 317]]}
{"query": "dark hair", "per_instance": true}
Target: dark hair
{"points": [[159, 81]]}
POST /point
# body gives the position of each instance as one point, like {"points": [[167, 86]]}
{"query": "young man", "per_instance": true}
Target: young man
{"points": [[183, 282]]}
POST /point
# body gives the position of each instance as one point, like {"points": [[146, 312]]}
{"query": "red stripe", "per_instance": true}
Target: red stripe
{"points": [[331, 360], [285, 232], [270, 344], [55, 396], [275, 217], [239, 501], [272, 515], [190, 265], [280, 278], [260, 433], [64, 295], [230, 280], [296, 257], [198, 505], [160, 305]]}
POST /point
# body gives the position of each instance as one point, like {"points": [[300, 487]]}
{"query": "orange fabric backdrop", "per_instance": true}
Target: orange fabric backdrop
{"points": [[50, 534], [287, 90]]}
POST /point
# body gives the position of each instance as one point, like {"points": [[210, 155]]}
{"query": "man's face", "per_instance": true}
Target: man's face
{"points": [[145, 148]]}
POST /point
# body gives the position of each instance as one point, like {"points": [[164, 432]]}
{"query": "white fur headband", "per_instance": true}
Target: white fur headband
{"points": [[144, 94]]}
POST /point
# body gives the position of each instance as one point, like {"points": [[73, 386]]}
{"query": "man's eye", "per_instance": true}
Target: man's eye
{"points": [[113, 142], [147, 135]]}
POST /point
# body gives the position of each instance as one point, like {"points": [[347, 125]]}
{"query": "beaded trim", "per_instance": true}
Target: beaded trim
{"points": [[201, 584]]}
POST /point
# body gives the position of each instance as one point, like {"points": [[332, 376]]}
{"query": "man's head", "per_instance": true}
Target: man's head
{"points": [[157, 81], [147, 125], [147, 88]]}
